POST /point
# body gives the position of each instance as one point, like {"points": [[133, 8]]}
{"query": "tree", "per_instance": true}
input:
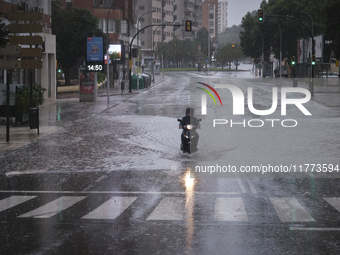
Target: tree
{"points": [[230, 35], [332, 9], [3, 34], [251, 39], [71, 30]]}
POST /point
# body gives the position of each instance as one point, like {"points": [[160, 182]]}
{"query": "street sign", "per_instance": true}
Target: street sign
{"points": [[11, 51], [10, 64], [27, 16], [31, 52], [26, 40], [25, 28]]}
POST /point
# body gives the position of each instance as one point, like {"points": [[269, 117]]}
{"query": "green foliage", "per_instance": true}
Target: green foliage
{"points": [[3, 34], [100, 77], [230, 35], [251, 39], [228, 53], [332, 9], [22, 97], [71, 30]]}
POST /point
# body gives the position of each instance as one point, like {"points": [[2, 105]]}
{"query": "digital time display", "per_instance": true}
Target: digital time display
{"points": [[94, 68]]}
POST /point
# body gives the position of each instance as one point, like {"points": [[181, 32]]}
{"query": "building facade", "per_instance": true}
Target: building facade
{"points": [[116, 18], [187, 10], [47, 75], [210, 19], [222, 16]]}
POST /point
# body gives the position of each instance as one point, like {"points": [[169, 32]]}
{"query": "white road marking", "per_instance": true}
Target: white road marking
{"points": [[251, 186], [169, 208], [111, 209], [53, 208], [103, 177], [230, 209], [313, 229], [12, 201], [240, 183], [333, 201], [290, 210], [113, 192]]}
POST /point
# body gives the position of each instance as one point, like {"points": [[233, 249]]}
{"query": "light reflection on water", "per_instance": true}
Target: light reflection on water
{"points": [[189, 209]]}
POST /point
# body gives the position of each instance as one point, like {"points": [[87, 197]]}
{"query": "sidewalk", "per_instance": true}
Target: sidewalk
{"points": [[53, 114]]}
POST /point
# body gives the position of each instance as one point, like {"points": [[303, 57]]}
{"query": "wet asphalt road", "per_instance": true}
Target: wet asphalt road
{"points": [[116, 182]]}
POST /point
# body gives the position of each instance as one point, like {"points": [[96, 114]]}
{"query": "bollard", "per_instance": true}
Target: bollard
{"points": [[33, 118], [295, 83], [122, 86]]}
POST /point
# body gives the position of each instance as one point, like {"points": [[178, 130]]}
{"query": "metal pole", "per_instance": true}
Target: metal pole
{"points": [[280, 50], [208, 40], [138, 22], [107, 54], [8, 92]]}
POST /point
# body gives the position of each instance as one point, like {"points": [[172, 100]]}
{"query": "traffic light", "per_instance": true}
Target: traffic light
{"points": [[313, 60], [188, 25], [175, 45], [293, 61], [260, 15]]}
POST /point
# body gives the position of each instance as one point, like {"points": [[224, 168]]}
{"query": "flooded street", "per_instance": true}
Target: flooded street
{"points": [[112, 179]]}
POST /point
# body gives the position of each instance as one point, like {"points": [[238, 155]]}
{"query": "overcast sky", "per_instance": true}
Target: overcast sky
{"points": [[239, 8]]}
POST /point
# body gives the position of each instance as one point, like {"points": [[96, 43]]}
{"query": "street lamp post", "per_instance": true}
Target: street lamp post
{"points": [[311, 85], [280, 50], [107, 54], [138, 22]]}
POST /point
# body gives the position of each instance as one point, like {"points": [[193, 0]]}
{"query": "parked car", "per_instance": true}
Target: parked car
{"points": [[284, 71]]}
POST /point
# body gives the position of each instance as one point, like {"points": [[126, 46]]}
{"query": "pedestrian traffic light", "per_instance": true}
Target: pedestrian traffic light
{"points": [[293, 61], [313, 60], [260, 15], [188, 25]]}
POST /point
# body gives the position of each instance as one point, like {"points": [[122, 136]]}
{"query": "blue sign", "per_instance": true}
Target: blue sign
{"points": [[207, 61], [95, 52]]}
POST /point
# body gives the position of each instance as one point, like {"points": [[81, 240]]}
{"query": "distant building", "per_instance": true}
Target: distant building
{"points": [[209, 18], [47, 75], [187, 10], [222, 16]]}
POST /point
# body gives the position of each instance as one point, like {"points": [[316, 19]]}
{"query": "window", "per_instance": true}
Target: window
{"points": [[141, 8], [211, 16]]}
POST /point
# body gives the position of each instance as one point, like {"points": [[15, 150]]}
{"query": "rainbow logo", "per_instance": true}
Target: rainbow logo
{"points": [[209, 93]]}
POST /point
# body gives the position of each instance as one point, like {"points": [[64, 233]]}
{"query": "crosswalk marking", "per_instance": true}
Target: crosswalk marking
{"points": [[111, 209], [333, 201], [230, 209], [290, 210], [169, 208], [12, 201], [53, 208]]}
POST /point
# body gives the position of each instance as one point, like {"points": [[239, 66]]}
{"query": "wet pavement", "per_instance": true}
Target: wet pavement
{"points": [[110, 179]]}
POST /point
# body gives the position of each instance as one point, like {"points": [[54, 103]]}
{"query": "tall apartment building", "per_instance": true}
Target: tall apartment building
{"points": [[187, 10], [209, 18], [169, 12], [47, 75], [222, 16]]}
